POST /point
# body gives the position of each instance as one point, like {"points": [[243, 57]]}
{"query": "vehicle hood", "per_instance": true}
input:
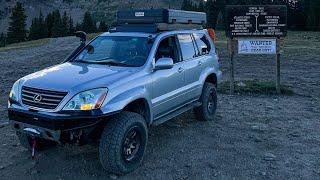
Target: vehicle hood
{"points": [[77, 76]]}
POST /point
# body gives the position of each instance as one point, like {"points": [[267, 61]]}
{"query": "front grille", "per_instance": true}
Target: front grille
{"points": [[47, 100]]}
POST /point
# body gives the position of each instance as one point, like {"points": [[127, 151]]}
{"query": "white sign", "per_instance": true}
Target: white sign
{"points": [[257, 46], [139, 14]]}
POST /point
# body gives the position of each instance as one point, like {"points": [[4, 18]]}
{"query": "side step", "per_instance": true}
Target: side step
{"points": [[176, 113]]}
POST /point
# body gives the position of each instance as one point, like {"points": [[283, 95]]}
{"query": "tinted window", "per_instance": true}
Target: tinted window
{"points": [[131, 51], [168, 48], [202, 42], [186, 45]]}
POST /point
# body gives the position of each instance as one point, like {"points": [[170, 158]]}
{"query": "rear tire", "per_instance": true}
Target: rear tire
{"points": [[123, 143], [208, 99]]}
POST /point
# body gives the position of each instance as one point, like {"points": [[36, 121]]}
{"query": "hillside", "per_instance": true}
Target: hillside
{"points": [[101, 9]]}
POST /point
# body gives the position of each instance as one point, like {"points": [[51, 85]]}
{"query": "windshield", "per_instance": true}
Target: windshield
{"points": [[117, 51]]}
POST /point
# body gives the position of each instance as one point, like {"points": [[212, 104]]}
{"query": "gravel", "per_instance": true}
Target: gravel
{"points": [[252, 137]]}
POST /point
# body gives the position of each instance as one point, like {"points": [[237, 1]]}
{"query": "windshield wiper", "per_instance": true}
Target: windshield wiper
{"points": [[109, 62]]}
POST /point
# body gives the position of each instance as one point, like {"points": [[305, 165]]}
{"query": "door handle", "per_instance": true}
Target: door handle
{"points": [[180, 70], [199, 63]]}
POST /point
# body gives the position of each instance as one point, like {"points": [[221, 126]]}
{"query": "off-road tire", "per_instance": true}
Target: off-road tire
{"points": [[26, 142], [209, 95], [111, 147]]}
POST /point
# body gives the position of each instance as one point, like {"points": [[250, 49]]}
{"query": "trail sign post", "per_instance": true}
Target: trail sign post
{"points": [[256, 30]]}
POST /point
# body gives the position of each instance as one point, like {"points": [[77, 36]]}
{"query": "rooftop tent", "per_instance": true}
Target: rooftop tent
{"points": [[154, 20]]}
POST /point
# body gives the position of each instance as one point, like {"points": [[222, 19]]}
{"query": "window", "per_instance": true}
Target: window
{"points": [[187, 47], [202, 42], [168, 48], [120, 50]]}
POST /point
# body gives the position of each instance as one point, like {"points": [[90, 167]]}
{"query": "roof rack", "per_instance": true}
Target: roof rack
{"points": [[157, 20]]}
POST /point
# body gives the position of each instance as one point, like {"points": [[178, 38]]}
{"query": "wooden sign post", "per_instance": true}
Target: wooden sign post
{"points": [[256, 30], [231, 64]]}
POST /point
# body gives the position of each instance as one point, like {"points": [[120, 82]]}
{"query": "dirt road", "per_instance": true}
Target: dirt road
{"points": [[253, 136]]}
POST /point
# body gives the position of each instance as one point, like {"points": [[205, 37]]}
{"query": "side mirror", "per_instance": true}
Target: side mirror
{"points": [[164, 63], [82, 35]]}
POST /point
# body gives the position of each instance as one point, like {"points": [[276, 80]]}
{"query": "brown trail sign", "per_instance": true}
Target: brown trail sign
{"points": [[256, 30], [256, 21]]}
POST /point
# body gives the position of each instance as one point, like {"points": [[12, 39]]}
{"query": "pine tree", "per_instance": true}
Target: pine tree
{"points": [[65, 24], [211, 19], [186, 5], [78, 27], [57, 28], [17, 25], [103, 27], [38, 28], [34, 30], [71, 28], [201, 7], [88, 24], [43, 26], [49, 22], [3, 40]]}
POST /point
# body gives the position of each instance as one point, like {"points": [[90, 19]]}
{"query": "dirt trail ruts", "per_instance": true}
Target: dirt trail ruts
{"points": [[253, 137]]}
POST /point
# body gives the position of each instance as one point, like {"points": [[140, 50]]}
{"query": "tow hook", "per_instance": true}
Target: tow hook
{"points": [[33, 152], [33, 133]]}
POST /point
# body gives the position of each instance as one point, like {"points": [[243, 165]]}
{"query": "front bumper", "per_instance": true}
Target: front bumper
{"points": [[60, 127], [57, 121]]}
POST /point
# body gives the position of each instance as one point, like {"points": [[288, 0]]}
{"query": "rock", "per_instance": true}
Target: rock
{"points": [[257, 139], [2, 167], [241, 84], [269, 157], [4, 124], [295, 134], [263, 173], [211, 165], [113, 176], [259, 127], [35, 172], [15, 145]]}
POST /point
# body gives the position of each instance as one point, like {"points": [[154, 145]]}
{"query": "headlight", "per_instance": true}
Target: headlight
{"points": [[14, 93], [87, 100]]}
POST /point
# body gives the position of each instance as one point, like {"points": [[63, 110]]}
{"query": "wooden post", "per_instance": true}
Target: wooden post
{"points": [[278, 85], [231, 52]]}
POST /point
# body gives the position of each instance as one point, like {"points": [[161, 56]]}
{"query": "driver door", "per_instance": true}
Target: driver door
{"points": [[167, 84]]}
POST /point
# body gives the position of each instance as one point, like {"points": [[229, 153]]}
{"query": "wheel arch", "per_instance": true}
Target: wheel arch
{"points": [[140, 106], [212, 78]]}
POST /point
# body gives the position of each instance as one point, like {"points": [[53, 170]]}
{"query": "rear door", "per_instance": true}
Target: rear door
{"points": [[192, 65]]}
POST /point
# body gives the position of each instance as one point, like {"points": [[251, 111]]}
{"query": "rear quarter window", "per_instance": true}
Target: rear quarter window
{"points": [[202, 42]]}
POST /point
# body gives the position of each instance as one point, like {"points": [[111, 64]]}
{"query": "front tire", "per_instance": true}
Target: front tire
{"points": [[208, 99], [123, 143]]}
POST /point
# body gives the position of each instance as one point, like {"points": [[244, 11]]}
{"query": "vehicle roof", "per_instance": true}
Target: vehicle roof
{"points": [[142, 34], [135, 34]]}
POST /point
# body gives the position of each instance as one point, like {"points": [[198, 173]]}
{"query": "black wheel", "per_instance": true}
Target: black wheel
{"points": [[123, 143], [207, 110], [26, 142]]}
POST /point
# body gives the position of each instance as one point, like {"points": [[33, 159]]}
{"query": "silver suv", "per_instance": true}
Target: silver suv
{"points": [[113, 88]]}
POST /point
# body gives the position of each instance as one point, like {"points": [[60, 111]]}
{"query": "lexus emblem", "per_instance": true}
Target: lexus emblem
{"points": [[37, 98]]}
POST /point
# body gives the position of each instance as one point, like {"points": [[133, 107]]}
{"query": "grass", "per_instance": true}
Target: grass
{"points": [[26, 44], [37, 43], [254, 87], [93, 35]]}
